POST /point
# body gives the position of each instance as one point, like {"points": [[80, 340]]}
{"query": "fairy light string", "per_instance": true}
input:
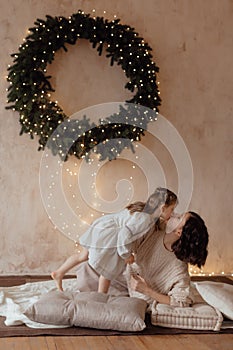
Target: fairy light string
{"points": [[30, 89], [195, 271]]}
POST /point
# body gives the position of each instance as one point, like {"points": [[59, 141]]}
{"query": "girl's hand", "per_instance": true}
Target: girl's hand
{"points": [[130, 259], [138, 284]]}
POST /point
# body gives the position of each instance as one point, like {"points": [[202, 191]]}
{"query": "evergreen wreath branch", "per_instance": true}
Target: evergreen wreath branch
{"points": [[30, 88]]}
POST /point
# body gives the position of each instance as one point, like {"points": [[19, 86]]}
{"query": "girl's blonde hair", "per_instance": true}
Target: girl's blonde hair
{"points": [[159, 197]]}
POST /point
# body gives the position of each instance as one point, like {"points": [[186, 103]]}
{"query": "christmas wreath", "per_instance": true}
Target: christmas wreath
{"points": [[30, 88]]}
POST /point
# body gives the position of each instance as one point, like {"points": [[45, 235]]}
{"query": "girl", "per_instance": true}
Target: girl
{"points": [[107, 244]]}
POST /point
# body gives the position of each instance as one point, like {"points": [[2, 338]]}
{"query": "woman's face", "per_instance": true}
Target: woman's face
{"points": [[177, 222]]}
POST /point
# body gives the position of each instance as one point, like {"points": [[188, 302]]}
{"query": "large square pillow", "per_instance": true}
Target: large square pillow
{"points": [[218, 295], [89, 309]]}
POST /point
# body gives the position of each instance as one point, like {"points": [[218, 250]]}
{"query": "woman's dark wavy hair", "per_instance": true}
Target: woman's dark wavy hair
{"points": [[191, 247]]}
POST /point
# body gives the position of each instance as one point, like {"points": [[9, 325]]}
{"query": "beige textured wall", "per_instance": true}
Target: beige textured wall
{"points": [[192, 44]]}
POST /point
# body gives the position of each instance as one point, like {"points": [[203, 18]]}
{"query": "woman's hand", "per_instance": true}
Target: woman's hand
{"points": [[138, 284]]}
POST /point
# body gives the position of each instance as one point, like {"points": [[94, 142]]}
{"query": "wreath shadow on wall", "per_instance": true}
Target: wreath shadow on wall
{"points": [[30, 88]]}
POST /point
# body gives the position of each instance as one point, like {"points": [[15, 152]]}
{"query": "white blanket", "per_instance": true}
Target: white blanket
{"points": [[15, 300]]}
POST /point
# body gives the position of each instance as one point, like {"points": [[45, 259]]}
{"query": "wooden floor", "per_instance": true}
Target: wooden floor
{"points": [[149, 342]]}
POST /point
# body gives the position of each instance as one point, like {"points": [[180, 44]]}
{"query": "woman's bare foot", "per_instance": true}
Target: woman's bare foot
{"points": [[57, 277]]}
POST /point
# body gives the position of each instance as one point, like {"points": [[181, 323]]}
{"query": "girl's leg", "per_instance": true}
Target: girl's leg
{"points": [[72, 261], [103, 284]]}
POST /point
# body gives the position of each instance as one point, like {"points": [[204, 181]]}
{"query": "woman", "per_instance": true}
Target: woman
{"points": [[161, 269]]}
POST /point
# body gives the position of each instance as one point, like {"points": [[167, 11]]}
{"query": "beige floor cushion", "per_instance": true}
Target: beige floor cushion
{"points": [[199, 316]]}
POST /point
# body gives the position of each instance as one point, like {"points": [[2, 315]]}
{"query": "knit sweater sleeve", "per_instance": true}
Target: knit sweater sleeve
{"points": [[180, 291], [175, 282], [163, 272]]}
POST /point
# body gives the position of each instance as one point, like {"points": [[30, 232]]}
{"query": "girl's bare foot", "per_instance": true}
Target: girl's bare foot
{"points": [[57, 277]]}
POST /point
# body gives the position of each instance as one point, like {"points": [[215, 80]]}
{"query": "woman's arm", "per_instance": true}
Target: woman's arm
{"points": [[138, 284]]}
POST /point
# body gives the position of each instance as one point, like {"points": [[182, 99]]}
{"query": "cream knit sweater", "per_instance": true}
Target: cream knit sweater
{"points": [[161, 269]]}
